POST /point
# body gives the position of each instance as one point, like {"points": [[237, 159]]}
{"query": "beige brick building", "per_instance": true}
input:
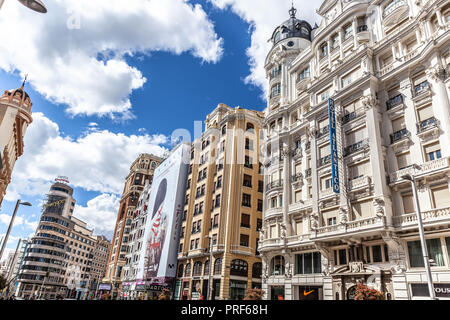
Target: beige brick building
{"points": [[224, 202]]}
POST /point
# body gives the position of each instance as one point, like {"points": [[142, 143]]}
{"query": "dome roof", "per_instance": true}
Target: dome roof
{"points": [[21, 91], [292, 28]]}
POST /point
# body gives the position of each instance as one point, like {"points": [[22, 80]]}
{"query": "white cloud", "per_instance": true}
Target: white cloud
{"points": [[97, 161], [264, 16], [76, 53], [100, 214]]}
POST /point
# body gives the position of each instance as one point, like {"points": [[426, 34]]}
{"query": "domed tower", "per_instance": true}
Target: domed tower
{"points": [[288, 39], [15, 117]]}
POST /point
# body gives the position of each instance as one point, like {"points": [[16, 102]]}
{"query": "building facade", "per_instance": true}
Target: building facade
{"points": [[223, 202], [59, 259], [336, 208], [135, 244], [15, 117], [142, 169]]}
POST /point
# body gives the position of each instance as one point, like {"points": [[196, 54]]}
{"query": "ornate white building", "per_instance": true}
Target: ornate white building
{"points": [[385, 65]]}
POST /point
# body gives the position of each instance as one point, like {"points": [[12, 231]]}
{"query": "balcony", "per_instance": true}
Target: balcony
{"points": [[326, 193], [323, 131], [246, 251], [274, 185], [399, 135], [385, 69], [323, 161], [269, 243], [337, 231], [394, 11], [358, 183], [426, 125], [430, 217], [352, 116], [394, 102], [421, 88], [364, 144], [298, 238], [426, 169]]}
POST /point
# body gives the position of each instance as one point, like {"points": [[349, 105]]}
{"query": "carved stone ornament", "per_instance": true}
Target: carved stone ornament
{"points": [[283, 231], [369, 101], [356, 267], [398, 268], [343, 215], [288, 267], [314, 221], [261, 235], [285, 151], [379, 207]]}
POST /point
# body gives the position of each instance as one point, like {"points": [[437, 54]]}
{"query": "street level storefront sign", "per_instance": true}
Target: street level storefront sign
{"points": [[333, 147], [442, 290]]}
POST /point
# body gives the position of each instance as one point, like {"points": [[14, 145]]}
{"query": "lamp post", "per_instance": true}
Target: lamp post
{"points": [[19, 202], [426, 259], [210, 268], [35, 5]]}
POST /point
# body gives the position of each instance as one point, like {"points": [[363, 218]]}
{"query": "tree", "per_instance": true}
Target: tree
{"points": [[2, 282], [363, 292], [254, 294], [165, 295]]}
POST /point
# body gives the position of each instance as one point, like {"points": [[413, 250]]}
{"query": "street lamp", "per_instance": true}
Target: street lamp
{"points": [[11, 224], [426, 260], [35, 5], [210, 268]]}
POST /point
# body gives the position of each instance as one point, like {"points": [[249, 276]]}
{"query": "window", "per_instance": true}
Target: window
{"points": [[434, 252], [323, 50], [248, 162], [276, 90], [441, 196], [308, 263], [257, 270], [187, 271], [260, 205], [239, 267], [197, 271], [245, 221], [218, 266], [433, 151], [246, 200], [348, 31], [244, 240], [260, 186], [277, 266], [247, 181], [332, 221], [248, 144], [376, 254], [250, 127]]}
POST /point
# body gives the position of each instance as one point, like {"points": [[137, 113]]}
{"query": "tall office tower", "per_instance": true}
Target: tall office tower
{"points": [[15, 117], [337, 209], [223, 202], [59, 258], [142, 169]]}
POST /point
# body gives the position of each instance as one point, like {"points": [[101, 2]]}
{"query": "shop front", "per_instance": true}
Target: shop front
{"points": [[310, 293], [238, 289], [276, 292]]}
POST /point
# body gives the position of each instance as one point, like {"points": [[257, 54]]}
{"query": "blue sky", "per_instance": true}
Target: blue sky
{"points": [[212, 54]]}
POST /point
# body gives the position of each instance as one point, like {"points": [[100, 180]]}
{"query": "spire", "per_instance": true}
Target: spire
{"points": [[24, 81], [293, 11]]}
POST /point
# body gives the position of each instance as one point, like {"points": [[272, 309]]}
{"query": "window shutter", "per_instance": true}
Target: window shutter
{"points": [[432, 147], [425, 113], [408, 204], [441, 197], [398, 124], [403, 160]]}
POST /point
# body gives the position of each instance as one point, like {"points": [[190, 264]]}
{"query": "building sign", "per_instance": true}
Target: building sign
{"points": [[441, 290], [158, 260], [104, 286], [333, 145]]}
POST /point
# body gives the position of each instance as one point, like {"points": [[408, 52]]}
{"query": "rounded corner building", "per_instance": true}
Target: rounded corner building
{"points": [[355, 105]]}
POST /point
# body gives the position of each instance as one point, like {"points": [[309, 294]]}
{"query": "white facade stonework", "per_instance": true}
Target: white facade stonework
{"points": [[385, 64]]}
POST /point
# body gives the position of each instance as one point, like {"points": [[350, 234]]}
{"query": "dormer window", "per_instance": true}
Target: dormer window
{"points": [[277, 37]]}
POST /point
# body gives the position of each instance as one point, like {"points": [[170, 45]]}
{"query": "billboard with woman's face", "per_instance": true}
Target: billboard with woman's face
{"points": [[159, 251]]}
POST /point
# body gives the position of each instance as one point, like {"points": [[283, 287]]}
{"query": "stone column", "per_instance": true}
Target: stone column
{"points": [[439, 18], [329, 52], [355, 26], [285, 154], [441, 107], [341, 41]]}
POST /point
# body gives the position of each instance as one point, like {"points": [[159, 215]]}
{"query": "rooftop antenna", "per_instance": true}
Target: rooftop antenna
{"points": [[24, 81]]}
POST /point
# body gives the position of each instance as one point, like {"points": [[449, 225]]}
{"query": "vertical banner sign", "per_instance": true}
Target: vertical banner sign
{"points": [[333, 145]]}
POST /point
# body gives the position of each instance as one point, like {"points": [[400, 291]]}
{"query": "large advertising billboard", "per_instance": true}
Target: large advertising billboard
{"points": [[158, 259]]}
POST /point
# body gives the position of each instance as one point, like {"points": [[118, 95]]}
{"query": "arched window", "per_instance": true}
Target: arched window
{"points": [[250, 127], [153, 164], [180, 270], [239, 268], [218, 266], [197, 269], [224, 129], [277, 266], [257, 270], [187, 271], [206, 272]]}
